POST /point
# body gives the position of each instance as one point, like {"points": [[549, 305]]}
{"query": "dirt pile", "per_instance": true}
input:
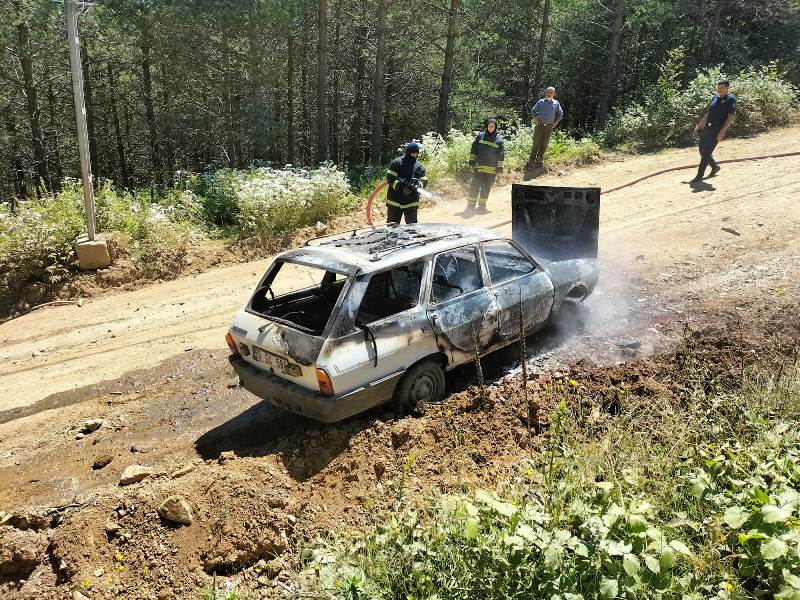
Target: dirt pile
{"points": [[262, 486]]}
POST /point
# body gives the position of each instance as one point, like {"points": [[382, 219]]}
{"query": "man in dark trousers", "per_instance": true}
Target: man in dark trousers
{"points": [[405, 175], [713, 127], [546, 114], [486, 160]]}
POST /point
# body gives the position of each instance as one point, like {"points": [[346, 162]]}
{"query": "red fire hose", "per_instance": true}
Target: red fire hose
{"points": [[619, 187], [371, 198]]}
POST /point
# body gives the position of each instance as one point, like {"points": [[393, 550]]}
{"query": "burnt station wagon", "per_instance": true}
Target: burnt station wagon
{"points": [[350, 321]]}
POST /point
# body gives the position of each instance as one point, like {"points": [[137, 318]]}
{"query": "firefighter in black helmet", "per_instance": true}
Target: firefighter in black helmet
{"points": [[486, 160], [405, 176]]}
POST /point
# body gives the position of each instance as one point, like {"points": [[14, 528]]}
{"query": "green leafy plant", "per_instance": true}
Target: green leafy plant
{"points": [[700, 498], [765, 99]]}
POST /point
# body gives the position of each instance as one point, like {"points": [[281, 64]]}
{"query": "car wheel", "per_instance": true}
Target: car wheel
{"points": [[424, 382]]}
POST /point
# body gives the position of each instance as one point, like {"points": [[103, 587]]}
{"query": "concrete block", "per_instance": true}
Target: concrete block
{"points": [[92, 255]]}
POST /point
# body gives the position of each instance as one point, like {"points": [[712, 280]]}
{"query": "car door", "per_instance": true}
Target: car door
{"points": [[461, 309], [517, 282], [387, 331]]}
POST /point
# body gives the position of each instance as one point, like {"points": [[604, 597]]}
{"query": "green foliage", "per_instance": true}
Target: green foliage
{"points": [[36, 241], [668, 115], [218, 192], [700, 498], [446, 157], [449, 157]]}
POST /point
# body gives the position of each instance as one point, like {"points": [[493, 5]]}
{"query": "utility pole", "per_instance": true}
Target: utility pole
{"points": [[92, 253], [71, 16]]}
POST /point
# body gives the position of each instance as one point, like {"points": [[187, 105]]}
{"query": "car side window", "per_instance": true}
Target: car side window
{"points": [[505, 262], [391, 292], [456, 273]]}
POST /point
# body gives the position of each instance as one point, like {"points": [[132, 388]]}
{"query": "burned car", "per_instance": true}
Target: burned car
{"points": [[350, 321]]}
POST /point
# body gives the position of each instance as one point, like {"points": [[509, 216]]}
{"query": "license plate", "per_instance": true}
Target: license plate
{"points": [[269, 359]]}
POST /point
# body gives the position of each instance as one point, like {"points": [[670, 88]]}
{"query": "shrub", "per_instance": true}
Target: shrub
{"points": [[449, 156], [446, 157], [217, 191], [36, 241], [668, 115], [700, 498], [278, 200]]}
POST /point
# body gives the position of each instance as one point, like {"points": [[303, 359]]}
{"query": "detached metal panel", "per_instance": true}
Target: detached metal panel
{"points": [[556, 223]]}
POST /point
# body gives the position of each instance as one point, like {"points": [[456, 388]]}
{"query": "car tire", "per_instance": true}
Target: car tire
{"points": [[423, 382]]}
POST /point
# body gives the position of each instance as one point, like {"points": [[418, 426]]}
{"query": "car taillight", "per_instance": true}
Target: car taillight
{"points": [[324, 381], [231, 344]]}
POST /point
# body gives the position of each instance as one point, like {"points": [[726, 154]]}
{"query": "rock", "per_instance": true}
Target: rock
{"points": [[320, 228], [102, 461], [274, 567], [400, 435], [92, 425], [176, 510], [79, 436], [112, 528], [28, 520], [182, 471], [561, 173], [76, 595], [226, 456], [630, 345], [730, 230], [21, 551], [134, 474]]}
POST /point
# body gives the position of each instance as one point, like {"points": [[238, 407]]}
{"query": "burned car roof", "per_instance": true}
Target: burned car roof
{"points": [[367, 250]]}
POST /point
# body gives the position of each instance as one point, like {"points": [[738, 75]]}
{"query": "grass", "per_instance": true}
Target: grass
{"points": [[695, 494]]}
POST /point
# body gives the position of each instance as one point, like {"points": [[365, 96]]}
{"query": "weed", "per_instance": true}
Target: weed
{"points": [[695, 496]]}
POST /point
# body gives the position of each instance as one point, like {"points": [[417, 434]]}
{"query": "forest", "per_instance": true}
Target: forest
{"points": [[194, 85]]}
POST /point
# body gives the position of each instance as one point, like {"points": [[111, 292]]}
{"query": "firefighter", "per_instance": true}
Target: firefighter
{"points": [[486, 159], [405, 176]]}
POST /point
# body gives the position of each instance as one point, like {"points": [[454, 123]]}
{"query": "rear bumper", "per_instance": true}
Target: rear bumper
{"points": [[296, 399]]}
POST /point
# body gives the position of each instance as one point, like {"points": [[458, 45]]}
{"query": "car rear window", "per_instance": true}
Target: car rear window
{"points": [[299, 295]]}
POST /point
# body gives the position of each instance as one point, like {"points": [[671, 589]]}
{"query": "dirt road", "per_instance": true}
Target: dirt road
{"points": [[663, 219], [723, 258]]}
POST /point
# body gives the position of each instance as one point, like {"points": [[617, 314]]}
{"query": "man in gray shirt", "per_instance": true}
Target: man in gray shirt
{"points": [[546, 114]]}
